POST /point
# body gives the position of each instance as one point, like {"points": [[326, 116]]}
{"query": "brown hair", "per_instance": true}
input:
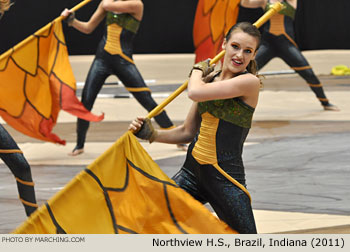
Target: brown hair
{"points": [[252, 31], [4, 5]]}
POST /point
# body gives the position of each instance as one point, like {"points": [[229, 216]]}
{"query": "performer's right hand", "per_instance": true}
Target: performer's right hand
{"points": [[66, 12], [143, 128], [69, 16], [136, 124]]}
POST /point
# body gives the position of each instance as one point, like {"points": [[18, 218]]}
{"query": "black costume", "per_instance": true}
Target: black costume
{"points": [[114, 56], [278, 41], [213, 171], [14, 159]]}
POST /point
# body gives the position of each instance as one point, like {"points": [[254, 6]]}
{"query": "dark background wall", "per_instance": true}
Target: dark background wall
{"points": [[167, 25], [323, 24], [165, 28]]}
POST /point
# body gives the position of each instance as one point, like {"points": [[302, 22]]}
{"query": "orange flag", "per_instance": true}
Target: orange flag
{"points": [[36, 82], [123, 191], [212, 21]]}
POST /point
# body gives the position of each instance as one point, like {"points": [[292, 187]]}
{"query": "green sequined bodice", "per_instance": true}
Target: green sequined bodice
{"points": [[231, 110], [288, 9], [124, 20]]}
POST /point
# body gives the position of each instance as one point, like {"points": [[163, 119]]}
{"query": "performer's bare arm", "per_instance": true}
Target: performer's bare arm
{"points": [[244, 86], [262, 3], [133, 7], [253, 3], [293, 3], [181, 134], [89, 26]]}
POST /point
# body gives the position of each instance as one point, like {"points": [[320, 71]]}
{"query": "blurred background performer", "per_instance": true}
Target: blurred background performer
{"points": [[114, 56], [14, 159], [278, 40]]}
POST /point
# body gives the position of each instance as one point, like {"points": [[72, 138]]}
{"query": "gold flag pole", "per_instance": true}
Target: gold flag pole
{"points": [[275, 9], [40, 31]]}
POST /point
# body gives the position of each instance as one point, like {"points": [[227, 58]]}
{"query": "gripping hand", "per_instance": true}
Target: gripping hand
{"points": [[70, 18], [204, 66], [147, 132]]}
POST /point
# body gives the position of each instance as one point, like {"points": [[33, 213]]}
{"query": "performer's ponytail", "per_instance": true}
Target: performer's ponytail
{"points": [[252, 67]]}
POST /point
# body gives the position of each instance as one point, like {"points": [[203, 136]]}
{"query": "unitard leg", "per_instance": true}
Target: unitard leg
{"points": [[264, 55], [294, 58], [97, 75], [231, 204], [186, 179], [134, 83], [20, 169], [206, 184]]}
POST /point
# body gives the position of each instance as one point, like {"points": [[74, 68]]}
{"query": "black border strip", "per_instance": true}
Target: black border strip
{"points": [[109, 204], [125, 183], [171, 212], [108, 201], [150, 176], [126, 229], [60, 230]]}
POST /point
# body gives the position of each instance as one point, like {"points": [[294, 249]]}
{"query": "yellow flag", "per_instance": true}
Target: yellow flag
{"points": [[125, 192]]}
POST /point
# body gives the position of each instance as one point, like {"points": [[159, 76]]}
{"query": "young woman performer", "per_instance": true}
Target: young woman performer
{"points": [[218, 124], [14, 159], [114, 56], [278, 41]]}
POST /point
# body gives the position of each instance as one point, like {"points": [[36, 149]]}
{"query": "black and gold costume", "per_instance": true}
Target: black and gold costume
{"points": [[14, 159], [114, 56], [278, 40], [213, 171]]}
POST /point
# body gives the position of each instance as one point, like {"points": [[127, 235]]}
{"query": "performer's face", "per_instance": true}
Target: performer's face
{"points": [[240, 50]]}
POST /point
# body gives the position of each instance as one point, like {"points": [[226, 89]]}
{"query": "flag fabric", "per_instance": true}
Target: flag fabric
{"points": [[123, 191], [36, 82], [212, 21]]}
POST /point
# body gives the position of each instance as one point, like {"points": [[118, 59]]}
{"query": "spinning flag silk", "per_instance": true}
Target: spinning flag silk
{"points": [[212, 21], [123, 191], [36, 82]]}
